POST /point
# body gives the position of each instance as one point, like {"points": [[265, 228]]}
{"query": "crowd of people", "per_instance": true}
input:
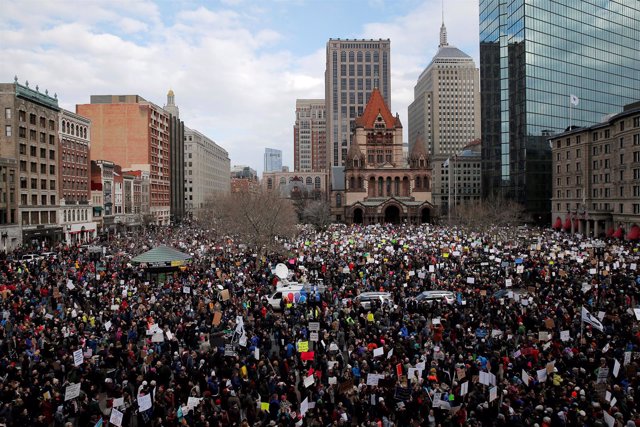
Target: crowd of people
{"points": [[543, 331]]}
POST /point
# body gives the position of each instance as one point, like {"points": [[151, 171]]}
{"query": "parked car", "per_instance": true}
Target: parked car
{"points": [[31, 257], [49, 255], [365, 299], [503, 293]]}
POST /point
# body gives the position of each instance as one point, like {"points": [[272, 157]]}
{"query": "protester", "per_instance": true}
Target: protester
{"points": [[87, 340]]}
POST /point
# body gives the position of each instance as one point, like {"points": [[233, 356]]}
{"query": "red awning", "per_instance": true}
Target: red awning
{"points": [[567, 224], [619, 233], [610, 232], [558, 224], [634, 233]]}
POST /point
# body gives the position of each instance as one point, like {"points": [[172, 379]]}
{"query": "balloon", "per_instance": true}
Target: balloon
{"points": [[302, 298], [290, 297]]}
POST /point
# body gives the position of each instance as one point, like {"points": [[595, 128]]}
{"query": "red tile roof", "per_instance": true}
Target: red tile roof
{"points": [[375, 106]]}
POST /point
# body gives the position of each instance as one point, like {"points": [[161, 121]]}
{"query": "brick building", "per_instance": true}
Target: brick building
{"points": [[134, 133]]}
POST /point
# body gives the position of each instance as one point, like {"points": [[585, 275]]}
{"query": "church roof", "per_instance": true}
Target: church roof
{"points": [[376, 106], [354, 151]]}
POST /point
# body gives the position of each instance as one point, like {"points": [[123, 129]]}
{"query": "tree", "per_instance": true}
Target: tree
{"points": [[254, 218], [492, 211], [318, 214]]}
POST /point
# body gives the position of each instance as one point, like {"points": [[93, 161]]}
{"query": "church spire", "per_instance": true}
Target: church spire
{"points": [[443, 31]]}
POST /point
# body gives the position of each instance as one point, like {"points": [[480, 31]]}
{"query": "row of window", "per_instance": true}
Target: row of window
{"points": [[74, 129], [70, 215]]}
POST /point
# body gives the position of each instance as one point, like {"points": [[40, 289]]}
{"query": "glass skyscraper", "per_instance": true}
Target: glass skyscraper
{"points": [[272, 160], [534, 54]]}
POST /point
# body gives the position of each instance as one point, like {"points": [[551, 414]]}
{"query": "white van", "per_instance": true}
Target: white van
{"points": [[299, 291]]}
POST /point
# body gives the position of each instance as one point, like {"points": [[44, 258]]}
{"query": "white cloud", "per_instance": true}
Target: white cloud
{"points": [[234, 80]]}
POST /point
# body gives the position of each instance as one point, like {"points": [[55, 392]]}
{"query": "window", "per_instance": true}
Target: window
{"points": [[621, 125], [22, 132], [34, 167], [7, 113], [339, 200], [32, 119], [34, 201], [43, 153], [53, 199], [43, 168], [52, 155], [52, 184], [43, 199], [32, 151], [52, 169], [32, 134], [23, 199], [34, 184]]}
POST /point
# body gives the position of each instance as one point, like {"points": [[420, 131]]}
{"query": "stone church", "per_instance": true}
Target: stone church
{"points": [[380, 185]]}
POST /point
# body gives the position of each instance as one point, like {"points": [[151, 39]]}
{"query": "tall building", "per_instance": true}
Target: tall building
{"points": [[354, 68], [135, 134], [596, 177], [378, 185], [207, 170], [533, 56], [76, 210], [29, 167], [310, 136], [272, 160], [446, 109], [176, 163]]}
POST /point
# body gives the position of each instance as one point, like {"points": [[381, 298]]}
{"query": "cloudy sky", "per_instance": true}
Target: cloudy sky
{"points": [[236, 66]]}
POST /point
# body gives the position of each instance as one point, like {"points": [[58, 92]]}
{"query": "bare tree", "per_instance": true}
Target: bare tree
{"points": [[318, 214], [492, 211], [255, 218]]}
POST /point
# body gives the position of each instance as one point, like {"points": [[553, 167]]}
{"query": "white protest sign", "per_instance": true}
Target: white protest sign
{"points": [[118, 402], [525, 377], [144, 402], [193, 402], [493, 393], [378, 351], [72, 391], [107, 325], [308, 381], [542, 375], [464, 388], [304, 407], [565, 336], [616, 368], [78, 358], [116, 417]]}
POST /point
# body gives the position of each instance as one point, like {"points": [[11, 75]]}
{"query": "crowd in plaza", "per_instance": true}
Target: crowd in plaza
{"points": [[543, 331]]}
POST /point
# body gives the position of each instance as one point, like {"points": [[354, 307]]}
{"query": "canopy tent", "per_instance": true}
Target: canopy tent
{"points": [[558, 224], [619, 233], [634, 233], [162, 256], [567, 224]]}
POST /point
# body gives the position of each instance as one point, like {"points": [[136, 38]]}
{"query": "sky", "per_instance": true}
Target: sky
{"points": [[236, 66]]}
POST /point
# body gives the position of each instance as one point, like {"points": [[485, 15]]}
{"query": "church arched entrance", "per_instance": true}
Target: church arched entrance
{"points": [[392, 214], [357, 216], [425, 216]]}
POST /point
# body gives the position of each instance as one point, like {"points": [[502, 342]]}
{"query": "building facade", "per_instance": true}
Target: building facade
{"points": [[296, 185], [596, 177], [456, 181], [445, 110], [135, 134], [353, 69], [378, 185], [176, 163], [310, 136], [207, 170], [272, 160], [76, 207], [29, 161], [533, 56], [102, 189]]}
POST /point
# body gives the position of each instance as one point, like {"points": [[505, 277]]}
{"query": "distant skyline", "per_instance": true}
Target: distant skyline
{"points": [[236, 66]]}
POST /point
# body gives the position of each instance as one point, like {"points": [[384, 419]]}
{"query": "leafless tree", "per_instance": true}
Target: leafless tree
{"points": [[490, 212], [255, 218], [318, 214]]}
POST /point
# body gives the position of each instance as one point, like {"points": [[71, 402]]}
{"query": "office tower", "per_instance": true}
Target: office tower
{"points": [[596, 177], [533, 57], [76, 210], [354, 68], [176, 163], [272, 160], [446, 109], [29, 166], [134, 133], [207, 170], [310, 136]]}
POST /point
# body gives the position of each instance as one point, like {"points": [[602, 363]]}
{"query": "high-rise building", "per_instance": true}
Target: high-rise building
{"points": [[354, 68], [134, 133], [446, 109], [272, 160], [176, 151], [310, 136], [533, 57], [29, 178], [207, 170], [76, 210]]}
